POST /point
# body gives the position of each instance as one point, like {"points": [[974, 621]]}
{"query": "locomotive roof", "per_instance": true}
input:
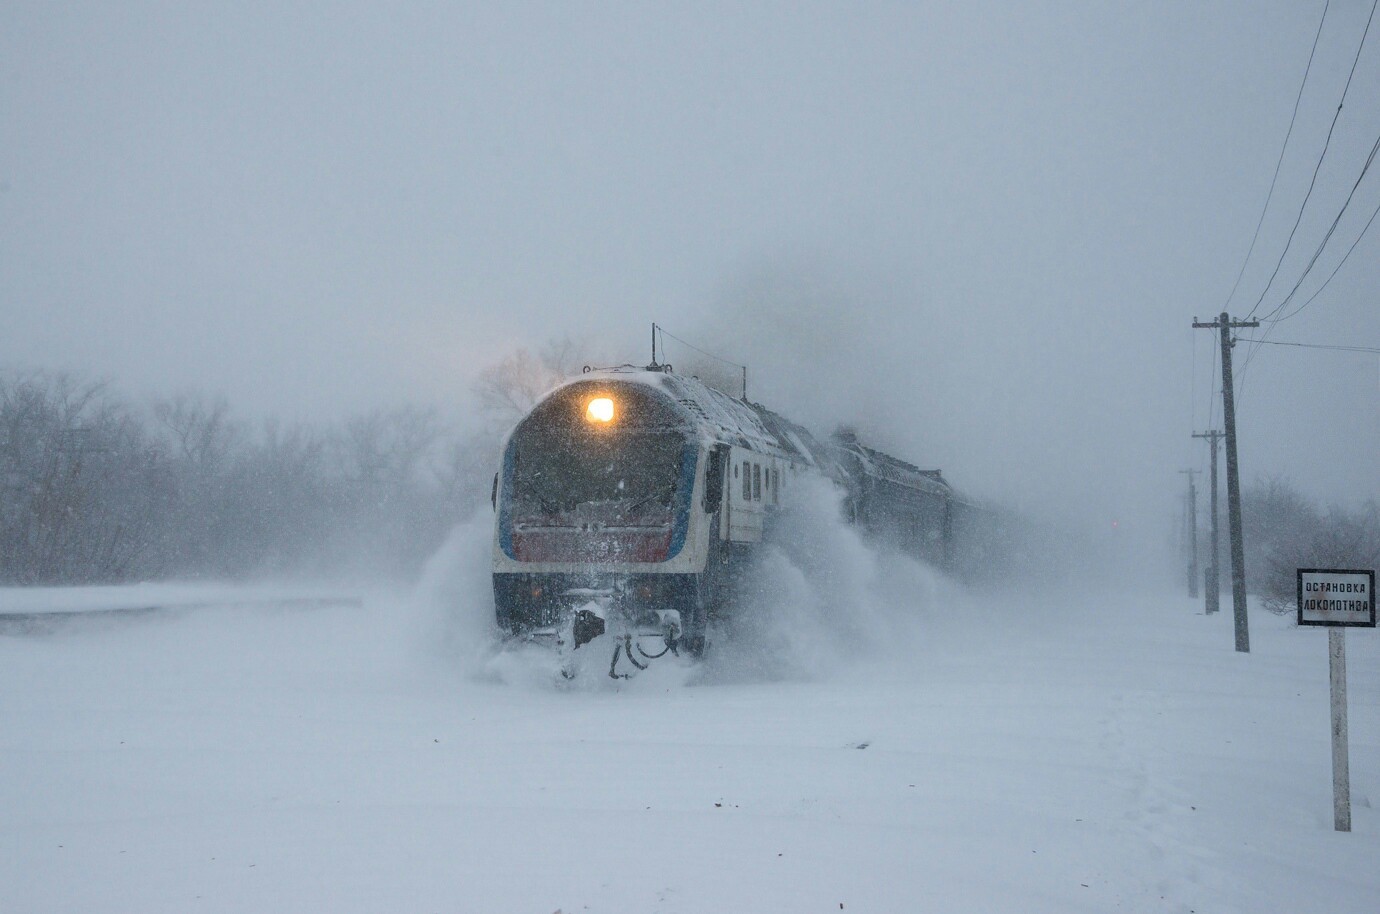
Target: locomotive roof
{"points": [[739, 422], [884, 466], [714, 413]]}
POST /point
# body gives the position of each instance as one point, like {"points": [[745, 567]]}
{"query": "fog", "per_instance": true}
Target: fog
{"points": [[979, 233]]}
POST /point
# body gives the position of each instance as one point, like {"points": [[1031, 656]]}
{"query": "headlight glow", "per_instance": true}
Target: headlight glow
{"points": [[600, 409]]}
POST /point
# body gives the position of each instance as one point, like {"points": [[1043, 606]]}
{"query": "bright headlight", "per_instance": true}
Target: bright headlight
{"points": [[600, 409]]}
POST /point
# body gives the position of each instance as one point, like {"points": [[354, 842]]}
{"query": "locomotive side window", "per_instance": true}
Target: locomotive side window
{"points": [[714, 478], [747, 480], [756, 482]]}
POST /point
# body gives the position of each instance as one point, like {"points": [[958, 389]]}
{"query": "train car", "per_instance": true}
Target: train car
{"points": [[631, 501]]}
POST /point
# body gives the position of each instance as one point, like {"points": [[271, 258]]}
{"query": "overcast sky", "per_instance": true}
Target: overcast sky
{"points": [[979, 231]]}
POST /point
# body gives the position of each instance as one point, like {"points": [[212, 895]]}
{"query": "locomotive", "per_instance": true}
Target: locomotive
{"points": [[632, 501]]}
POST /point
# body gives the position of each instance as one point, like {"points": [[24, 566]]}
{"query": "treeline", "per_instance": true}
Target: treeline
{"points": [[97, 489], [1285, 531]]}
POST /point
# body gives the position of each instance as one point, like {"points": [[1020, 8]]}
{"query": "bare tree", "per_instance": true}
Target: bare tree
{"points": [[93, 490], [387, 448], [199, 428], [77, 505], [509, 388], [278, 503], [1286, 531], [201, 443]]}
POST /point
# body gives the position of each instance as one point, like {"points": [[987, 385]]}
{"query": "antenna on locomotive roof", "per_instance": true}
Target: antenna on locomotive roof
{"points": [[657, 329]]}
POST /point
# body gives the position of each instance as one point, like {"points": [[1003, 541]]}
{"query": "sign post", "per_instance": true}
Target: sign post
{"points": [[1341, 761], [1340, 600]]}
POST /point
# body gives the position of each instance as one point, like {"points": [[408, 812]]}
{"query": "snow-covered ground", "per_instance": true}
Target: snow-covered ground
{"points": [[17, 601], [902, 745]]}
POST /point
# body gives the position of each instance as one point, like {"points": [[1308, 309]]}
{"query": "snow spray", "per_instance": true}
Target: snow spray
{"points": [[820, 598]]}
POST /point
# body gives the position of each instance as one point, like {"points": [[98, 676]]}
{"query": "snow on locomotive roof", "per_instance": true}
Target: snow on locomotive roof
{"points": [[883, 466], [719, 416], [740, 422]]}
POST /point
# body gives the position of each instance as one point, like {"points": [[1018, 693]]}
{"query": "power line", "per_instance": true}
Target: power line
{"points": [[1318, 167], [1328, 237], [1289, 133], [1334, 269], [1271, 318], [1262, 342], [1193, 380], [1212, 398], [1375, 349]]}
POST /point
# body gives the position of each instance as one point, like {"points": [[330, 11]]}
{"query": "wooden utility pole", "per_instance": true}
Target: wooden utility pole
{"points": [[1192, 534], [1225, 324], [1211, 588]]}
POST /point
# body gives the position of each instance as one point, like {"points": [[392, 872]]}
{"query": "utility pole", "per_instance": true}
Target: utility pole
{"points": [[1211, 590], [1192, 535], [1225, 324]]}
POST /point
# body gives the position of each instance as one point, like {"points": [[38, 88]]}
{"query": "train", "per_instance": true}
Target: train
{"points": [[632, 503]]}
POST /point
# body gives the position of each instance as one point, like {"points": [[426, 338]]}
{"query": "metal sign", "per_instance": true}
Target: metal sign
{"points": [[1339, 599], [1331, 596]]}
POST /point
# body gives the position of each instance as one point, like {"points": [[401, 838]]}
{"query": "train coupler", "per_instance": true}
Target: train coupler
{"points": [[669, 633]]}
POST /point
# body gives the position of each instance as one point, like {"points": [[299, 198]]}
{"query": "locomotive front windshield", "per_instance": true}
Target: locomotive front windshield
{"points": [[631, 471], [562, 459]]}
